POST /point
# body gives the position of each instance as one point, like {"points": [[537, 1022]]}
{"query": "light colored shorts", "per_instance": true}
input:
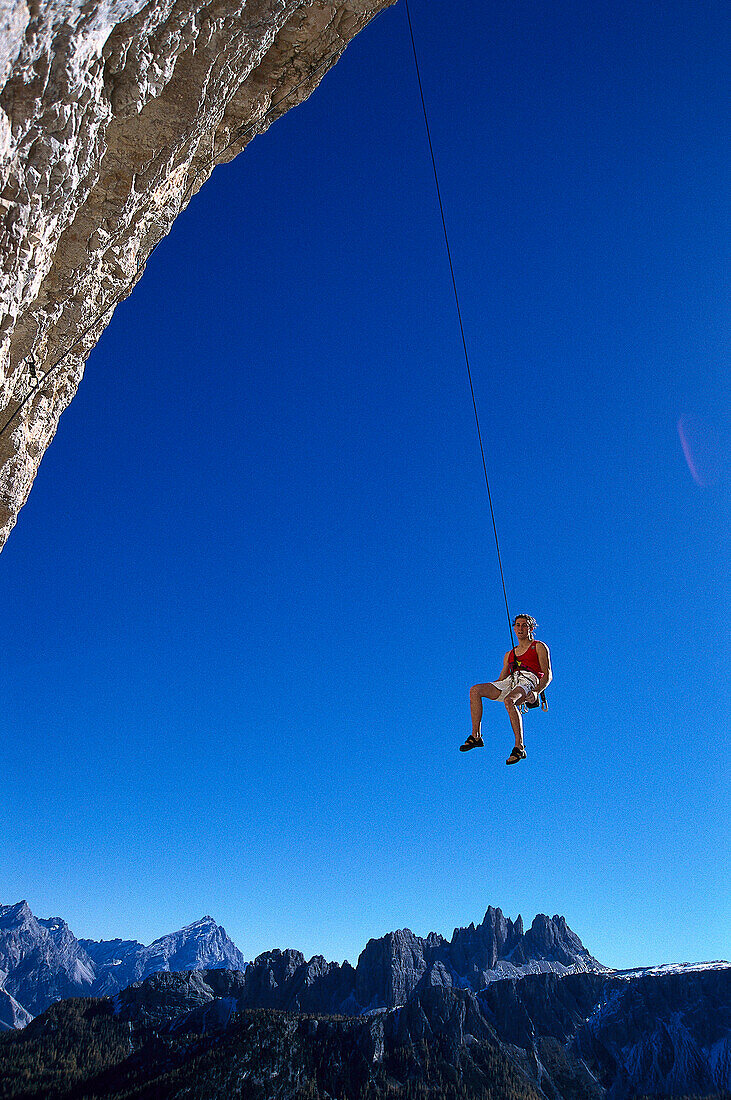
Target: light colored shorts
{"points": [[524, 679]]}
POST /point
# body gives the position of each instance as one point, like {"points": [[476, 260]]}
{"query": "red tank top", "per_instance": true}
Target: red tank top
{"points": [[528, 661]]}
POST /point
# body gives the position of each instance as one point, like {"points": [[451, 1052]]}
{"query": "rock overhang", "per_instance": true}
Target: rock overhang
{"points": [[112, 116]]}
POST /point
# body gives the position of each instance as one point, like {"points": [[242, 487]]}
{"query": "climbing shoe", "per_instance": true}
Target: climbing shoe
{"points": [[472, 742]]}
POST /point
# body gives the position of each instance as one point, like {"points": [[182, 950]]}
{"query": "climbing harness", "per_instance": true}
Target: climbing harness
{"points": [[542, 703], [515, 667], [540, 700]]}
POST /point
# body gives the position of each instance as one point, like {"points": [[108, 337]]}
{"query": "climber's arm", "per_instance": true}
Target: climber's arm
{"points": [[544, 660], [506, 666]]}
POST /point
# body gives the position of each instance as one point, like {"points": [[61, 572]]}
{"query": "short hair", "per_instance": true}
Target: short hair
{"points": [[532, 624]]}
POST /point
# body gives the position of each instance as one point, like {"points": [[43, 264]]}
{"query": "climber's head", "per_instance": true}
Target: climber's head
{"points": [[525, 626]]}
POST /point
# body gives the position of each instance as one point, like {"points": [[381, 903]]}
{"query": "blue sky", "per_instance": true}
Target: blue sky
{"points": [[255, 577]]}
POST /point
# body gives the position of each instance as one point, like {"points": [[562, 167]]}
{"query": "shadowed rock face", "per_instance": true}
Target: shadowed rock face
{"points": [[582, 1036], [112, 116], [663, 1034]]}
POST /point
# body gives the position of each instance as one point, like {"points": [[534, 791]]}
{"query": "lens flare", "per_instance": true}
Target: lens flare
{"points": [[701, 450]]}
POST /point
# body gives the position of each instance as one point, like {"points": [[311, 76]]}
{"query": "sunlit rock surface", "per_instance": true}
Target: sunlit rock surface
{"points": [[113, 113], [41, 961]]}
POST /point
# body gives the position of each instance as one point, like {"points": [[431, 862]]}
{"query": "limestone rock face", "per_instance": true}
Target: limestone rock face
{"points": [[40, 960], [389, 969], [113, 113]]}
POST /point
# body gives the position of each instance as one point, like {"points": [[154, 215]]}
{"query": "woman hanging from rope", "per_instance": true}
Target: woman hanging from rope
{"points": [[526, 672], [527, 667]]}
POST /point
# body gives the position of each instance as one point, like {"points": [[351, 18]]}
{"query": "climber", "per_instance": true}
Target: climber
{"points": [[526, 672]]}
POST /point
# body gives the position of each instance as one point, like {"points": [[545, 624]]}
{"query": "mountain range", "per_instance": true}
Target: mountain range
{"points": [[41, 961], [580, 1036], [494, 1013]]}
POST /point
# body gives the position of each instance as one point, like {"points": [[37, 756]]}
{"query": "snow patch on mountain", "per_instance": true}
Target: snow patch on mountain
{"points": [[671, 968]]}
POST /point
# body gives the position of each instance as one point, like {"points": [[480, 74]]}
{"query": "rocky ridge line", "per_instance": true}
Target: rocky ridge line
{"points": [[42, 961]]}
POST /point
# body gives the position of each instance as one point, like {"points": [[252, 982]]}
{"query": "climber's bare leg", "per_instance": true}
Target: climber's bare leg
{"points": [[477, 694], [512, 703]]}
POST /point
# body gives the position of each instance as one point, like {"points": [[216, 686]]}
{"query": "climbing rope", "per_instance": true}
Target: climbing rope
{"points": [[459, 317], [237, 136]]}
